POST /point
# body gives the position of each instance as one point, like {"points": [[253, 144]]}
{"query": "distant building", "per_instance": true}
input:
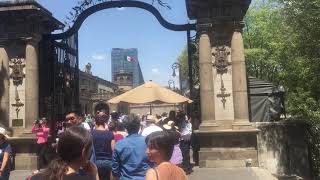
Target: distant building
{"points": [[126, 61], [124, 80], [95, 92]]}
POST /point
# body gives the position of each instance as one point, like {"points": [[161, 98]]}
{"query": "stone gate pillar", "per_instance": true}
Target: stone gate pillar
{"points": [[32, 81], [226, 137], [22, 26], [206, 82], [239, 82], [4, 85]]}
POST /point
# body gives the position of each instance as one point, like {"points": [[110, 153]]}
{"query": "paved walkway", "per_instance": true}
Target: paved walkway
{"points": [[198, 174], [19, 174], [231, 174]]}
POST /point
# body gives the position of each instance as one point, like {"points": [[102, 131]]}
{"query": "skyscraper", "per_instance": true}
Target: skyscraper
{"points": [[126, 60]]}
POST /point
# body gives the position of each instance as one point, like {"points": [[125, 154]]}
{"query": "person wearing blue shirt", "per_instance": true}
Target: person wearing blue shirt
{"points": [[129, 160], [5, 153]]}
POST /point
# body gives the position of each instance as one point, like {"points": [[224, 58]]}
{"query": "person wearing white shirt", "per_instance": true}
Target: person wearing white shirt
{"points": [[186, 131], [151, 126]]}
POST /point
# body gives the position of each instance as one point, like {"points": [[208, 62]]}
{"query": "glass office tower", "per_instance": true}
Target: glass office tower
{"points": [[126, 60]]}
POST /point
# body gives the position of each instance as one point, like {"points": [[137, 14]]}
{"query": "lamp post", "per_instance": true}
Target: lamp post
{"points": [[174, 67], [171, 82], [282, 92]]}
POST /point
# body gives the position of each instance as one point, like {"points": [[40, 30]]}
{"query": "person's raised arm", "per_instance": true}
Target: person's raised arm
{"points": [[35, 127], [113, 144]]}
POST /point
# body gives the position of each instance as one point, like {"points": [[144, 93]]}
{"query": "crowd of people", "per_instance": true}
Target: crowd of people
{"points": [[114, 146]]}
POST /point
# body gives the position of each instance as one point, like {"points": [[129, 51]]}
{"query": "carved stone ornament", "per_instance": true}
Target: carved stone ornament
{"points": [[221, 59], [18, 104], [223, 95], [88, 68], [17, 73]]}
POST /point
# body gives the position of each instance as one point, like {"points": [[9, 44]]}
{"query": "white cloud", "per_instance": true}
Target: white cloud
{"points": [[97, 56], [121, 8], [155, 70]]}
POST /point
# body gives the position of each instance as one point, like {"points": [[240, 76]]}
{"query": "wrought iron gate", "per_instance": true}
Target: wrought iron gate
{"points": [[59, 77], [59, 66]]}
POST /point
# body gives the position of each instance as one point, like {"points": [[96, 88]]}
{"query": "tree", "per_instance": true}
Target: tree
{"points": [[282, 38]]}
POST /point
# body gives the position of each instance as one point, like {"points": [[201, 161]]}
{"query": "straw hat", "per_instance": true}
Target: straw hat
{"points": [[151, 119], [169, 124], [3, 132]]}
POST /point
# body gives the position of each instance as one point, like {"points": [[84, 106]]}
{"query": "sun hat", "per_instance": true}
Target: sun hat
{"points": [[151, 119], [164, 114], [169, 124], [3, 132]]}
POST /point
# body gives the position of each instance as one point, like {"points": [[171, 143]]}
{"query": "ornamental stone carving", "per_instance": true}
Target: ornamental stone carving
{"points": [[221, 59], [17, 73]]}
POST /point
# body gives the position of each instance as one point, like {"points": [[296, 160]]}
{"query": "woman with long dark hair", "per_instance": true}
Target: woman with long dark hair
{"points": [[160, 147], [74, 150]]}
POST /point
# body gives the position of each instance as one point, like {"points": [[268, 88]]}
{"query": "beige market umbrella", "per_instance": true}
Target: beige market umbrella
{"points": [[150, 92]]}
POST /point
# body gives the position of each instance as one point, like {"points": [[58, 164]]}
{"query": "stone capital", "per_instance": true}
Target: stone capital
{"points": [[204, 28], [4, 43], [33, 40], [238, 26]]}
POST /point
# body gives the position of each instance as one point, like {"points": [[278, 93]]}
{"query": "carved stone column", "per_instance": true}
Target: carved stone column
{"points": [[206, 81], [32, 82], [4, 85], [239, 82]]}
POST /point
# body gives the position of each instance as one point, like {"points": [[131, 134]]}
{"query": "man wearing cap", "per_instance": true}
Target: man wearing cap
{"points": [[5, 152], [151, 126]]}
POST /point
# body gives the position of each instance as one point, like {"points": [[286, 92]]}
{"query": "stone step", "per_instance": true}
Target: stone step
{"points": [[226, 153], [25, 161], [252, 173], [222, 163], [225, 157]]}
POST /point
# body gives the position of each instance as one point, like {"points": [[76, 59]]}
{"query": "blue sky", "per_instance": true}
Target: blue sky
{"points": [[157, 47]]}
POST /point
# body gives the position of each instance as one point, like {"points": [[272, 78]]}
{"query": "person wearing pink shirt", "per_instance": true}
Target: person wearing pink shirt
{"points": [[41, 129]]}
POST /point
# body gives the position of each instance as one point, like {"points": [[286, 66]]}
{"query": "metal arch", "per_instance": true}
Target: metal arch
{"points": [[118, 4]]}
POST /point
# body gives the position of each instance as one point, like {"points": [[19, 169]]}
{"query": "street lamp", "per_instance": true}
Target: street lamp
{"points": [[174, 67], [282, 92], [171, 82]]}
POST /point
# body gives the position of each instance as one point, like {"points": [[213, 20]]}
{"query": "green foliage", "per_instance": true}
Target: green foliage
{"points": [[281, 48], [183, 61], [282, 41]]}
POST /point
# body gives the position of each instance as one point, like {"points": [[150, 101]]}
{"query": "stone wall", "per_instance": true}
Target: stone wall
{"points": [[283, 148]]}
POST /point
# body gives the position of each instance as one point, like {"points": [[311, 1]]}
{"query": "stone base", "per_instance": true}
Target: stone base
{"points": [[228, 148], [242, 126], [21, 132], [207, 126], [250, 173], [24, 152], [25, 161]]}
